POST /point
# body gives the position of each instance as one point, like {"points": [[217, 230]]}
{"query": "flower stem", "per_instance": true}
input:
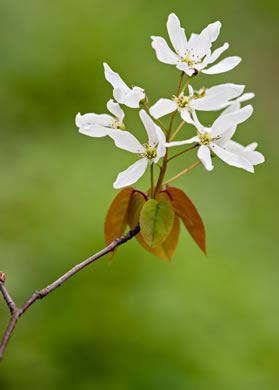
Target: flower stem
{"points": [[186, 84], [152, 180], [182, 173], [176, 131], [183, 151], [180, 83], [164, 166]]}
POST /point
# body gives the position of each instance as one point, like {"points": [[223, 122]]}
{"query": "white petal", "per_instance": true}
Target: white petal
{"points": [[246, 96], [150, 127], [162, 107], [93, 119], [113, 78], [212, 31], [223, 66], [125, 140], [161, 148], [226, 121], [254, 157], [217, 97], [177, 34], [178, 143], [201, 43], [234, 147], [132, 174], [247, 152], [226, 136], [96, 131], [204, 155], [163, 52], [216, 54], [115, 109], [185, 115], [130, 97], [235, 106], [232, 158], [191, 90], [184, 66], [251, 147]]}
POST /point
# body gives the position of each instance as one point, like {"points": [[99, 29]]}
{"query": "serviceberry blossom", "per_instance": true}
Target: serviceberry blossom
{"points": [[99, 125], [156, 212], [121, 92], [206, 99], [149, 152], [195, 55], [217, 139]]}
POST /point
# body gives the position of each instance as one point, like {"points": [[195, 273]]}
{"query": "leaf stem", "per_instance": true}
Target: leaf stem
{"points": [[182, 173], [183, 151]]}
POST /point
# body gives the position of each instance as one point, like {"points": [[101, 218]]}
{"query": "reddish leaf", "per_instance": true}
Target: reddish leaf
{"points": [[184, 208], [117, 216]]}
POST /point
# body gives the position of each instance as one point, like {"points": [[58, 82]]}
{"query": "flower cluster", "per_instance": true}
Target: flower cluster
{"points": [[191, 57], [159, 209]]}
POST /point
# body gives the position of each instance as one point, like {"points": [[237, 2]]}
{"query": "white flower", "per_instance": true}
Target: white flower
{"points": [[214, 98], [217, 139], [121, 92], [150, 152], [99, 125], [193, 56]]}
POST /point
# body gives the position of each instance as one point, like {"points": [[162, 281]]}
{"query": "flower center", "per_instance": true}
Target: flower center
{"points": [[150, 153], [115, 124], [205, 139], [190, 58], [182, 101]]}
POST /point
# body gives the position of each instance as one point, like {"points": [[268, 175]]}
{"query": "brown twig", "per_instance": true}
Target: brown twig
{"points": [[17, 312]]}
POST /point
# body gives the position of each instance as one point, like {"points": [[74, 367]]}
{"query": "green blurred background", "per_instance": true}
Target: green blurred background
{"points": [[140, 322]]}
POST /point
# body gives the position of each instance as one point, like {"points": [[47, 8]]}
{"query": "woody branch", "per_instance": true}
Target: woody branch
{"points": [[17, 312]]}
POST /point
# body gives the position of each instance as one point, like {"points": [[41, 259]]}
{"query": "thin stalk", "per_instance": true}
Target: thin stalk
{"points": [[180, 83], [176, 131], [186, 84], [152, 180], [183, 151], [164, 166], [182, 173]]}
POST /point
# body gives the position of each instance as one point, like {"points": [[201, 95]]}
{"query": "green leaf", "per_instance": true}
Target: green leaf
{"points": [[156, 221], [117, 216], [184, 208]]}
